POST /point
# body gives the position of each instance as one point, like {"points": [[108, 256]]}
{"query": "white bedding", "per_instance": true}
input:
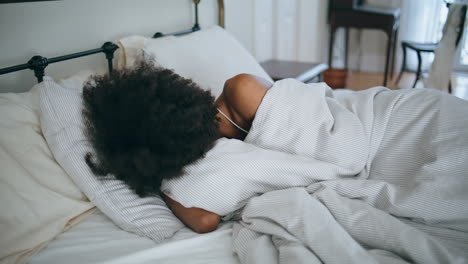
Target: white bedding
{"points": [[357, 220], [98, 240], [409, 204], [38, 200], [373, 217]]}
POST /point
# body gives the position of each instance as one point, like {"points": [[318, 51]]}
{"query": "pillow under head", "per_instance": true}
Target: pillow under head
{"points": [[63, 128]]}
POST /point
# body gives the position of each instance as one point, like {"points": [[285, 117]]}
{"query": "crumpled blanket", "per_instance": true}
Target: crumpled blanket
{"points": [[409, 203]]}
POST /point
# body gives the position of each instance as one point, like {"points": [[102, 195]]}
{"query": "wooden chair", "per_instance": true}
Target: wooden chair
{"points": [[356, 14], [427, 47], [418, 48]]}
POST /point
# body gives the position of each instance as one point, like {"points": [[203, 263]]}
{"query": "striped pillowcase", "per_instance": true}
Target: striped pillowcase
{"points": [[62, 126]]}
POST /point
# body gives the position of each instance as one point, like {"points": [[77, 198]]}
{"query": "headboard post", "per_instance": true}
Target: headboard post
{"points": [[38, 64], [196, 26], [109, 48], [221, 13]]}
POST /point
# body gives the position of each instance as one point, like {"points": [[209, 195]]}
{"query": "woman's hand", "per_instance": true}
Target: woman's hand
{"points": [[199, 220]]}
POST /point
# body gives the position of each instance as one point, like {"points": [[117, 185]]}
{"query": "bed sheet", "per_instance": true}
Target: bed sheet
{"points": [[98, 240]]}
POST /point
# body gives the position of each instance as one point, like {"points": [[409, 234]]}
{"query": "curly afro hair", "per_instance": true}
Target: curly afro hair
{"points": [[145, 124]]}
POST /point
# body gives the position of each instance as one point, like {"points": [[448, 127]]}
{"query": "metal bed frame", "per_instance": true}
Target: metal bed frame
{"points": [[39, 63]]}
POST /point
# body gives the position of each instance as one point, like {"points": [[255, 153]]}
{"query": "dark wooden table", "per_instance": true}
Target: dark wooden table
{"points": [[354, 14], [302, 71]]}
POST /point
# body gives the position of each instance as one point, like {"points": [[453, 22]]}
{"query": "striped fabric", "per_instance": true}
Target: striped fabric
{"points": [[62, 126], [409, 204], [234, 171], [346, 177]]}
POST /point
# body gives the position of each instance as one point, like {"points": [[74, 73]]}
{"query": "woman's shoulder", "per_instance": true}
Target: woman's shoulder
{"points": [[244, 94]]}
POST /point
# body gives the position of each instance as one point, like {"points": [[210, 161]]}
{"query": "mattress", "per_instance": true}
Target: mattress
{"points": [[98, 240]]}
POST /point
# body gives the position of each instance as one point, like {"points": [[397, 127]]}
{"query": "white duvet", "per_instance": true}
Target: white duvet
{"points": [[98, 240], [408, 204], [339, 177]]}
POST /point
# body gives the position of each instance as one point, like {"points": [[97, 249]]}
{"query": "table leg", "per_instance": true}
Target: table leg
{"points": [[389, 48], [394, 43], [346, 47], [330, 46]]}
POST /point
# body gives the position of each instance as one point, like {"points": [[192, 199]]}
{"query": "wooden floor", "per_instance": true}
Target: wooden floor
{"points": [[364, 80]]}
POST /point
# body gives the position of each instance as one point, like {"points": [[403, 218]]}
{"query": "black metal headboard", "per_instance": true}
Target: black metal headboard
{"points": [[39, 63]]}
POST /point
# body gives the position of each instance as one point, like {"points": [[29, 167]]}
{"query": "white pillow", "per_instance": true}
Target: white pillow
{"points": [[62, 125], [209, 57], [38, 200]]}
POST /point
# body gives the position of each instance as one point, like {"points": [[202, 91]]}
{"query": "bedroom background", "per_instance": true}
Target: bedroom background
{"points": [[269, 29], [43, 144]]}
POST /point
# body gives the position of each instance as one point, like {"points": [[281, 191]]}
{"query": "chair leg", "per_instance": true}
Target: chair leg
{"points": [[403, 65], [418, 73]]}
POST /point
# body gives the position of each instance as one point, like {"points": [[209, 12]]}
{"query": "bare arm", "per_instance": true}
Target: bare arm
{"points": [[199, 220], [244, 93], [240, 99]]}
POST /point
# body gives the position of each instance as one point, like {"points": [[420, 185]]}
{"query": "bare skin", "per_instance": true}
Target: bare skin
{"points": [[240, 99]]}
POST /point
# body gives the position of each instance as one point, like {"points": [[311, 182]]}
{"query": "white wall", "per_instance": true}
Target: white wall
{"points": [[298, 30], [285, 29], [280, 29], [61, 27]]}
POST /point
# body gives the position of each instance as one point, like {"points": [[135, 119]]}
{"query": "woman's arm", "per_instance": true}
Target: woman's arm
{"points": [[240, 99], [244, 94], [199, 220]]}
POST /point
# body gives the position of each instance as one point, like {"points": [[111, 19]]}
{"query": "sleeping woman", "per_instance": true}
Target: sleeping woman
{"points": [[147, 123]]}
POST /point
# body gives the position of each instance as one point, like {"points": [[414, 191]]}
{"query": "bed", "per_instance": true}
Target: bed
{"points": [[82, 233], [56, 211], [97, 240]]}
